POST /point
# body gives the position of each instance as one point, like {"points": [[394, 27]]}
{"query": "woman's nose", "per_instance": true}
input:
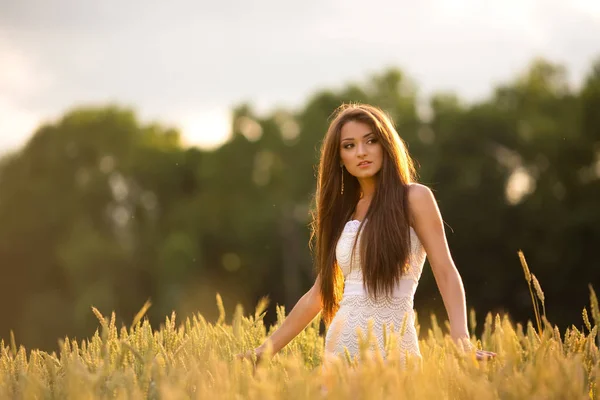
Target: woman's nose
{"points": [[361, 149]]}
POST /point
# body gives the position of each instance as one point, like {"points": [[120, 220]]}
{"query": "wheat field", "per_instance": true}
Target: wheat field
{"points": [[195, 359]]}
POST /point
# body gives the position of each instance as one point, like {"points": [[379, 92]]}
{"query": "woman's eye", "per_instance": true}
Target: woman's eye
{"points": [[372, 141], [348, 146]]}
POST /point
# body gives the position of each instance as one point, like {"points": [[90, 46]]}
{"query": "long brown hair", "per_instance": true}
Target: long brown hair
{"points": [[385, 243]]}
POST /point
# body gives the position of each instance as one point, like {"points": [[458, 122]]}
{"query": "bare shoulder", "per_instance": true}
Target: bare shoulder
{"points": [[420, 200], [418, 193]]}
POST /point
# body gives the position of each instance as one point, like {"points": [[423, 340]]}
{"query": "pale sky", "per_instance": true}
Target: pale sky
{"points": [[187, 63]]}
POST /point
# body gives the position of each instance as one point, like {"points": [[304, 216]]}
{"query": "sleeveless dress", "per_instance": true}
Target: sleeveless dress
{"points": [[357, 308]]}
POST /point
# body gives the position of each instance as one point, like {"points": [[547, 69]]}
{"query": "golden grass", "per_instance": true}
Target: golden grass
{"points": [[195, 360]]}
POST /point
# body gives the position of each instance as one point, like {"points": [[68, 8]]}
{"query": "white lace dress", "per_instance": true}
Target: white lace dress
{"points": [[356, 308]]}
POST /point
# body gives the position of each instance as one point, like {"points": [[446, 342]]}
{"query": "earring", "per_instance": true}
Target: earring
{"points": [[342, 168]]}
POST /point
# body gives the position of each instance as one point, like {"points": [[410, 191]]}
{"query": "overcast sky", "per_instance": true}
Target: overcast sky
{"points": [[186, 63]]}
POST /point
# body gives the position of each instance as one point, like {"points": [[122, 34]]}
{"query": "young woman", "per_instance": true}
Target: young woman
{"points": [[374, 227]]}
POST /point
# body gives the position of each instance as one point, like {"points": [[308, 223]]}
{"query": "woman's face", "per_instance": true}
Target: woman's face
{"points": [[360, 150]]}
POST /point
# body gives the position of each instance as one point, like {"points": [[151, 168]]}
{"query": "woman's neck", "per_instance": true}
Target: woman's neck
{"points": [[367, 190]]}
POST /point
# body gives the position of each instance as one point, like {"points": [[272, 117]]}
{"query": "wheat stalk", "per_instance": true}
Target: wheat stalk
{"points": [[528, 278]]}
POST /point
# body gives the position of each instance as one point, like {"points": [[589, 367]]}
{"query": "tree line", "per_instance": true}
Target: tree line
{"points": [[99, 208]]}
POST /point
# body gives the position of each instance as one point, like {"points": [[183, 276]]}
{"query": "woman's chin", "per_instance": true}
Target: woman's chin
{"points": [[365, 174]]}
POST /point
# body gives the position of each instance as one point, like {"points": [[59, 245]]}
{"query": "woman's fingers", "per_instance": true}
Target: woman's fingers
{"points": [[241, 356], [250, 355], [484, 354]]}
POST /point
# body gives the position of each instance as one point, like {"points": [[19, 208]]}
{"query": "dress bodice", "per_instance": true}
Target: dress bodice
{"points": [[359, 311], [351, 266]]}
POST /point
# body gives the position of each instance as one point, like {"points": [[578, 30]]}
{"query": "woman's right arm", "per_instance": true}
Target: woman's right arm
{"points": [[305, 310]]}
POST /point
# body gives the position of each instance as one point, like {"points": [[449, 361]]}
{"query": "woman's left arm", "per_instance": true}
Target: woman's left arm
{"points": [[427, 223]]}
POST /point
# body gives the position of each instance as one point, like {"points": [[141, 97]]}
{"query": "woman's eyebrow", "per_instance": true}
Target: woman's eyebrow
{"points": [[364, 136]]}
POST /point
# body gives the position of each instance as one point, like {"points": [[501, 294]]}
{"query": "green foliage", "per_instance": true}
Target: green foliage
{"points": [[101, 209]]}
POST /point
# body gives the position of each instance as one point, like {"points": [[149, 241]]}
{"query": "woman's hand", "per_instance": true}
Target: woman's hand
{"points": [[257, 353], [465, 345], [484, 355]]}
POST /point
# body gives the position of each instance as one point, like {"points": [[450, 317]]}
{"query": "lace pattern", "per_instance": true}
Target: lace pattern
{"points": [[389, 314], [358, 310]]}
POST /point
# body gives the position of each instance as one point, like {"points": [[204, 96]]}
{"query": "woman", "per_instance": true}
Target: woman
{"points": [[374, 228]]}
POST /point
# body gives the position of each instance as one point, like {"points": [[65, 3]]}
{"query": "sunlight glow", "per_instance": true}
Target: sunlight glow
{"points": [[207, 129], [16, 125], [519, 185]]}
